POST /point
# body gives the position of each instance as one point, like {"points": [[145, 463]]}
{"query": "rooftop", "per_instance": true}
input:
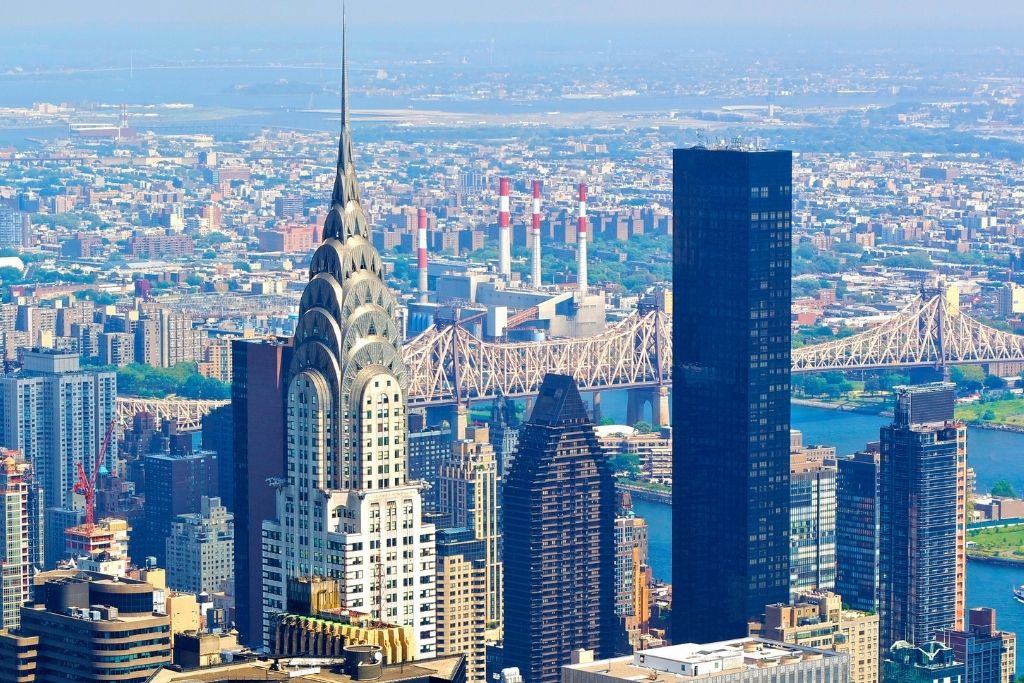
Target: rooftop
{"points": [[306, 669], [688, 661]]}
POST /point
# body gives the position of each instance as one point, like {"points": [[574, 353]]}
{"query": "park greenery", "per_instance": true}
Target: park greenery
{"points": [[183, 379], [1005, 542]]}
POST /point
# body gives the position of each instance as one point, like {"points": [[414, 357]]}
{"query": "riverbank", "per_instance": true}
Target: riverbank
{"points": [[639, 492], [844, 407], [1002, 561], [994, 425]]}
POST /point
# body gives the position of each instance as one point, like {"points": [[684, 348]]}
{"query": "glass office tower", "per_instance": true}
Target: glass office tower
{"points": [[922, 513], [732, 213]]}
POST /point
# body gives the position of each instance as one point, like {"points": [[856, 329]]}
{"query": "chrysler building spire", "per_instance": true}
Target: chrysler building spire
{"points": [[346, 187]]}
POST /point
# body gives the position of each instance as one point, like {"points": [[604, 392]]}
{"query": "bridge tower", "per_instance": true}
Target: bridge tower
{"points": [[637, 401]]}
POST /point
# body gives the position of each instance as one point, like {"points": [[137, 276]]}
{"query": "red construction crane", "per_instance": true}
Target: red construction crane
{"points": [[87, 486]]}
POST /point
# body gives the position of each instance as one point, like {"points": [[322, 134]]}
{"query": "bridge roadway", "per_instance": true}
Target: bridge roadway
{"points": [[448, 365]]}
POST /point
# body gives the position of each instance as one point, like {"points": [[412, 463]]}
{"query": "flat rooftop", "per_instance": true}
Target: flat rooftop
{"points": [[690, 661], [304, 669]]}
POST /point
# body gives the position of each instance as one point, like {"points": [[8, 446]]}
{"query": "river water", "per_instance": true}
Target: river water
{"points": [[993, 454]]}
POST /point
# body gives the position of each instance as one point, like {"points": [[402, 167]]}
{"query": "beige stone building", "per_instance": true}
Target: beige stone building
{"points": [[817, 619]]}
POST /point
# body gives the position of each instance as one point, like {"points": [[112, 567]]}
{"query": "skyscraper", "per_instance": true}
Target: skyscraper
{"points": [[461, 600], [922, 508], [14, 535], [257, 403], [345, 507], [175, 485], [731, 349], [468, 496], [857, 529], [56, 414], [632, 586], [558, 533]]}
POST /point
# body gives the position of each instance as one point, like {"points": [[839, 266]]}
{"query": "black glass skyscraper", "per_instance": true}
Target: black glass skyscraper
{"points": [[559, 539], [732, 225]]}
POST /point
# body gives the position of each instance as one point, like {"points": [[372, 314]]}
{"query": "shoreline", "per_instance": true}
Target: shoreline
{"points": [[1005, 561], [641, 493], [825, 405]]}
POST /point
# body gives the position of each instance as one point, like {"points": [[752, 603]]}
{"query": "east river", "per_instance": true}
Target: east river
{"points": [[993, 454]]}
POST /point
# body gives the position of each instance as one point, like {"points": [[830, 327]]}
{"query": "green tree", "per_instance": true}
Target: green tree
{"points": [[1004, 489], [995, 382], [9, 275], [815, 386], [643, 427], [968, 378], [628, 463]]}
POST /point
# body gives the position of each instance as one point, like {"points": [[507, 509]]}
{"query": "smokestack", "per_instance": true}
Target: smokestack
{"points": [[421, 254], [581, 242], [535, 234], [504, 234]]}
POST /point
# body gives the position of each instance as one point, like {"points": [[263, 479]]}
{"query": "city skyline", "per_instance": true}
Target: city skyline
{"points": [[562, 385]]}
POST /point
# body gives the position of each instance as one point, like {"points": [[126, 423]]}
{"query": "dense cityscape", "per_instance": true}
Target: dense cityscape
{"points": [[433, 361]]}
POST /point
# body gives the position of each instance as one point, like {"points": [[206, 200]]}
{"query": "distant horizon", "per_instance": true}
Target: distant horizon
{"points": [[325, 14]]}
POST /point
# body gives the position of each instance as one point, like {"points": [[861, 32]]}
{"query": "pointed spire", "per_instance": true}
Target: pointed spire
{"points": [[345, 186]]}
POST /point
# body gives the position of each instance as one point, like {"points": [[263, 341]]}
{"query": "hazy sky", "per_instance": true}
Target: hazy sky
{"points": [[965, 15]]}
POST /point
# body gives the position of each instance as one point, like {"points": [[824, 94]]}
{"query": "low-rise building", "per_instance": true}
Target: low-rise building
{"points": [[931, 662], [744, 660], [989, 655]]}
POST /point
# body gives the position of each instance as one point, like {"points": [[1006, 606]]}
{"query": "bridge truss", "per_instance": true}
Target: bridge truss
{"points": [[448, 365], [926, 333], [188, 413]]}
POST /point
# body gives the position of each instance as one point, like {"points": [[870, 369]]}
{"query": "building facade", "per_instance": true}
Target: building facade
{"points": [[175, 485], [632, 586], [468, 497], [461, 599], [922, 508], [15, 567], [96, 628], [812, 519], [559, 535], [345, 507], [857, 529], [257, 403], [732, 225], [988, 654], [201, 549], [57, 414], [818, 619]]}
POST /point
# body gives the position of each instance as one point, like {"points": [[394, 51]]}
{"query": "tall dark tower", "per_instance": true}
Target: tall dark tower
{"points": [[559, 539], [730, 508], [922, 498]]}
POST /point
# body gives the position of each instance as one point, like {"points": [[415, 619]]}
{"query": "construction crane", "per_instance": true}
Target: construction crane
{"points": [[87, 485]]}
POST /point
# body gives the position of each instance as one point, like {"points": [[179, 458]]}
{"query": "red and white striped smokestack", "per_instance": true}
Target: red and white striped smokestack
{"points": [[421, 253], [535, 234], [504, 232], [581, 242]]}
